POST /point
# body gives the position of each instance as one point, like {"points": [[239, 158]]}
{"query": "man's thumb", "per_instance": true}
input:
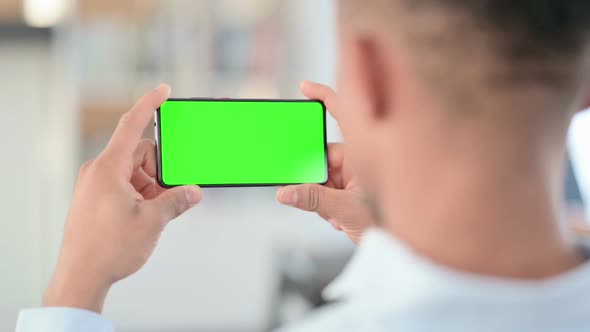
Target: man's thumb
{"points": [[176, 201], [312, 198]]}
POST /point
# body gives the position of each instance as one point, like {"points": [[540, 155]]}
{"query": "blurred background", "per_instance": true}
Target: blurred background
{"points": [[238, 262]]}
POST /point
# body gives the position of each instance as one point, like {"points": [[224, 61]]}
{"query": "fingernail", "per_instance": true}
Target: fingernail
{"points": [[193, 195], [288, 196], [164, 88]]}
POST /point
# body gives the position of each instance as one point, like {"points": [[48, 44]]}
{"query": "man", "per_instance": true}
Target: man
{"points": [[455, 116]]}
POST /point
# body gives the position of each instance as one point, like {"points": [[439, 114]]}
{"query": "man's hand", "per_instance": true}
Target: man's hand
{"points": [[341, 201], [117, 214]]}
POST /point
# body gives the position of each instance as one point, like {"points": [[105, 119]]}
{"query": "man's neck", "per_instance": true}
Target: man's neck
{"points": [[488, 207]]}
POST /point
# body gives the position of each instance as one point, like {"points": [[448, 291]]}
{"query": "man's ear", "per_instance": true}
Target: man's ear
{"points": [[374, 74]]}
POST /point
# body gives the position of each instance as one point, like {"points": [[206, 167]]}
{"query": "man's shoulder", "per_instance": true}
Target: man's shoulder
{"points": [[342, 316], [446, 316]]}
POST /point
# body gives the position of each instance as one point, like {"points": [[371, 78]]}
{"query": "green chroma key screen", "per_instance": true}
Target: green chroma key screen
{"points": [[241, 142]]}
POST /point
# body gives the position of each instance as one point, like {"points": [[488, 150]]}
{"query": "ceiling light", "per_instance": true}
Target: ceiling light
{"points": [[45, 13]]}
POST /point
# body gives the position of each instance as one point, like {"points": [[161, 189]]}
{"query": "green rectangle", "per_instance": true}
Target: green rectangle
{"points": [[241, 142]]}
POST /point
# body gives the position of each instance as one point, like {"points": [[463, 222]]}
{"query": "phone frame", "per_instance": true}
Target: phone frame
{"points": [[158, 138]]}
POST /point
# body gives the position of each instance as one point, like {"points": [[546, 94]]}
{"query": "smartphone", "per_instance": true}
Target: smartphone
{"points": [[241, 142]]}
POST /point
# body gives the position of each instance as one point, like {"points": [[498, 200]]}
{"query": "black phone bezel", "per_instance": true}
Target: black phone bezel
{"points": [[157, 121]]}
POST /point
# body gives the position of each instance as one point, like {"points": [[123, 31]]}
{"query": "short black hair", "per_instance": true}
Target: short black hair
{"points": [[531, 28], [469, 50], [542, 43]]}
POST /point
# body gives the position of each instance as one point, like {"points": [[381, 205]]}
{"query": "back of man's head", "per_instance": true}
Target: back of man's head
{"points": [[524, 29], [455, 114], [461, 106], [464, 45]]}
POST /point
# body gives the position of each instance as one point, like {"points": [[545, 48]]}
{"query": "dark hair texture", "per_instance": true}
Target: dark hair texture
{"points": [[530, 28]]}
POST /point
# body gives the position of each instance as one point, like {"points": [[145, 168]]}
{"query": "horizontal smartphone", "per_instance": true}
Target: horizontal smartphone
{"points": [[241, 143]]}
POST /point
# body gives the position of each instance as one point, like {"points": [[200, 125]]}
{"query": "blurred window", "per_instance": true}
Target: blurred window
{"points": [[580, 154]]}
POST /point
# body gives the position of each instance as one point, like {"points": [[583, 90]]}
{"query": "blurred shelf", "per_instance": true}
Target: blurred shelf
{"points": [[99, 119], [127, 10], [19, 31], [11, 12]]}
